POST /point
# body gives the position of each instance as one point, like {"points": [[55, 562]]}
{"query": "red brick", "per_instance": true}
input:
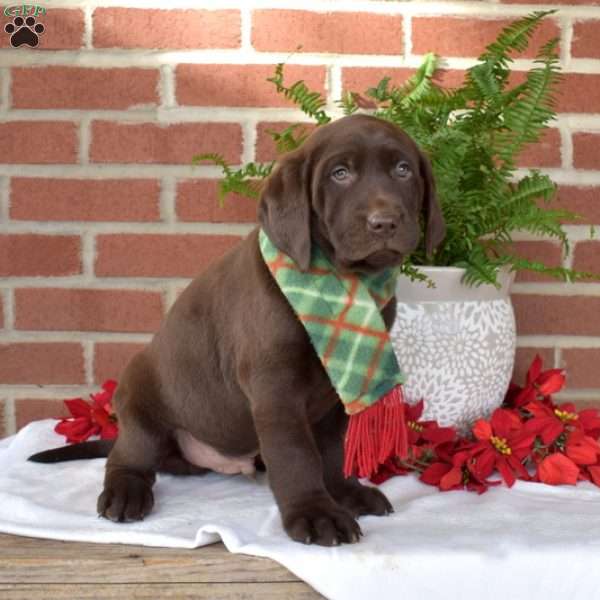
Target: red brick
{"points": [[266, 148], [38, 142], [197, 200], [584, 201], [545, 153], [33, 199], [457, 36], [586, 150], [579, 93], [26, 255], [581, 365], [41, 363], [587, 258], [111, 358], [63, 29], [80, 88], [159, 255], [34, 409], [548, 253], [340, 32], [54, 309], [585, 39], [360, 79], [142, 28], [240, 85], [524, 358], [167, 144], [554, 315]]}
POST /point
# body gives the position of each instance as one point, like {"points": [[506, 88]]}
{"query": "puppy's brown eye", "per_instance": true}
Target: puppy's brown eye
{"points": [[340, 173], [403, 169]]}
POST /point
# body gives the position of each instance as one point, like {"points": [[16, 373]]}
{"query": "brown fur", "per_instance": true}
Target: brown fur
{"points": [[232, 364]]}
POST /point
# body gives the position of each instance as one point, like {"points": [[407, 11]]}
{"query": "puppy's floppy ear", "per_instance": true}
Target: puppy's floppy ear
{"points": [[435, 226], [284, 211]]}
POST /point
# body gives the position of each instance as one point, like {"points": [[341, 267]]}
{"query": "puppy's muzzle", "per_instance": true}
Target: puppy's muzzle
{"points": [[382, 224]]}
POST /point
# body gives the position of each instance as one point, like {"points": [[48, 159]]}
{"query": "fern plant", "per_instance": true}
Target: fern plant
{"points": [[473, 136]]}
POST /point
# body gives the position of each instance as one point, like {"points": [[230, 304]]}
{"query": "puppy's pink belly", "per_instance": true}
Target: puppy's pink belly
{"points": [[203, 455]]}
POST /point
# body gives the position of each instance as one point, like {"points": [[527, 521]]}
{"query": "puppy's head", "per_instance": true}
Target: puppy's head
{"points": [[360, 188]]}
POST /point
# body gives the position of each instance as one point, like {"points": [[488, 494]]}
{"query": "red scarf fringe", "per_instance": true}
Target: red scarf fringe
{"points": [[375, 434]]}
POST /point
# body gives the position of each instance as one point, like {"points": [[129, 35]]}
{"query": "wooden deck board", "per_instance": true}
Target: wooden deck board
{"points": [[35, 568]]}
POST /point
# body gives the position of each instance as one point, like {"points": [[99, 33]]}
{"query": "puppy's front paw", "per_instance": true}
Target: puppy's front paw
{"points": [[362, 500], [126, 498], [323, 523]]}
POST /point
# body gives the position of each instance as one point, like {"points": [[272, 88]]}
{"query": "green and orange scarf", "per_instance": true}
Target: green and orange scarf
{"points": [[341, 314]]}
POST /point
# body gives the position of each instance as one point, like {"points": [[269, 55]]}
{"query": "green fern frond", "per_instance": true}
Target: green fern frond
{"points": [[287, 140], [515, 37], [311, 103], [567, 275], [414, 274], [245, 181], [348, 103], [530, 112]]}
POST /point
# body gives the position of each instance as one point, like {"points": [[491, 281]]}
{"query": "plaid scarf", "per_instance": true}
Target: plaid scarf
{"points": [[341, 315]]}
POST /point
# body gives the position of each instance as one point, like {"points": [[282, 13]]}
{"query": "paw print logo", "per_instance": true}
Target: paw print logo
{"points": [[24, 32]]}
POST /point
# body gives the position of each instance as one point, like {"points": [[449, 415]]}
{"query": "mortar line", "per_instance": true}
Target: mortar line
{"points": [[166, 87], [557, 358], [88, 27], [144, 58], [5, 95], [10, 417], [407, 32], [167, 201], [249, 140], [4, 199], [246, 28], [566, 147], [88, 361], [9, 310], [85, 137]]}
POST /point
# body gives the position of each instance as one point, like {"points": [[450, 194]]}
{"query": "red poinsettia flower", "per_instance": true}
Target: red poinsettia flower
{"points": [[503, 445], [589, 421], [582, 449], [420, 432], [88, 419], [390, 468], [550, 421], [456, 475], [539, 384], [558, 469]]}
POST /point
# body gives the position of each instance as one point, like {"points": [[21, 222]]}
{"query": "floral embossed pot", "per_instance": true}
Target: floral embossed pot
{"points": [[455, 343]]}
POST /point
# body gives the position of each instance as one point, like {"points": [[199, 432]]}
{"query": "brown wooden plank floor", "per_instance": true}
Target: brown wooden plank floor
{"points": [[33, 569]]}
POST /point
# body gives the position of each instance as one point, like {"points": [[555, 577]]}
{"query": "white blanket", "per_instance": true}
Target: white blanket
{"points": [[531, 542]]}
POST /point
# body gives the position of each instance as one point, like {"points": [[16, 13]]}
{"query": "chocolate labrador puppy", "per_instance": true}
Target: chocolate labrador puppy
{"points": [[231, 373]]}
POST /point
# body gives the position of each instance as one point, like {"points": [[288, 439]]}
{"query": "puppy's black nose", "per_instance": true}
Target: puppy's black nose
{"points": [[382, 224]]}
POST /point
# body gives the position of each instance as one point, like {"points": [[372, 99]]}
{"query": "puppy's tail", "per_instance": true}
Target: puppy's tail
{"points": [[95, 449]]}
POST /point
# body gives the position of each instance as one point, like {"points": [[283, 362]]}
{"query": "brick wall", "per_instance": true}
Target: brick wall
{"points": [[103, 220]]}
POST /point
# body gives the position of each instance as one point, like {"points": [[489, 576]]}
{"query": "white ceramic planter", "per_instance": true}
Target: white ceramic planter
{"points": [[456, 345]]}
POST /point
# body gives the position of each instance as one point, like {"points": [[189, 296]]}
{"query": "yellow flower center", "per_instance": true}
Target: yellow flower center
{"points": [[415, 426], [564, 415], [501, 445]]}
